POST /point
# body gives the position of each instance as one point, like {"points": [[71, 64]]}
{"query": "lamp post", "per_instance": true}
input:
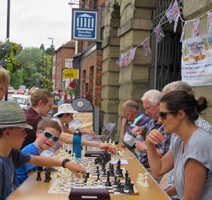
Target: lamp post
{"points": [[8, 29], [52, 57]]}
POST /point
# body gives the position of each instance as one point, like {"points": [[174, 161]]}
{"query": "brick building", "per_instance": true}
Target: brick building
{"points": [[62, 58]]}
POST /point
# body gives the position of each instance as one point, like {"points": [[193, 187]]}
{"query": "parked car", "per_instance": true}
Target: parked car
{"points": [[22, 87], [20, 91], [11, 90], [23, 100]]}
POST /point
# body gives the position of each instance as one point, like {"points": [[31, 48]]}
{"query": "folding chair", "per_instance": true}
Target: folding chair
{"points": [[108, 128]]}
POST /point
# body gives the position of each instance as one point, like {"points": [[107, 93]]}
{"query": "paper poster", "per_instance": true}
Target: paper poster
{"points": [[87, 120], [196, 63]]}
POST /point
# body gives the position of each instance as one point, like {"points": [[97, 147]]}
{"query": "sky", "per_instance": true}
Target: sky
{"points": [[33, 21]]}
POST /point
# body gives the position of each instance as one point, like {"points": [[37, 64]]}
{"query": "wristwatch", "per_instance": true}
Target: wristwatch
{"points": [[64, 162], [145, 150]]}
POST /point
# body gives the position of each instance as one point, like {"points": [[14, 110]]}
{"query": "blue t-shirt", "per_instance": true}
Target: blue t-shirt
{"points": [[8, 166], [23, 170]]}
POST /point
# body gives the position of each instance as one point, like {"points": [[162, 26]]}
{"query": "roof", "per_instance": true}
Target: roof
{"points": [[70, 44]]}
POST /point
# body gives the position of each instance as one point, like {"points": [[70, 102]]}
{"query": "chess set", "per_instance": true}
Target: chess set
{"points": [[110, 178]]}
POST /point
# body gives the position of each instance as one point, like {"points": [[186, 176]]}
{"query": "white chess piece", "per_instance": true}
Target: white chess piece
{"points": [[146, 184], [99, 183], [70, 185], [123, 155], [81, 178], [58, 189], [72, 177]]}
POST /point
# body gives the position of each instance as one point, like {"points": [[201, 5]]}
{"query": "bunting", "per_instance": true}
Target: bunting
{"points": [[146, 47], [172, 14], [195, 30], [210, 22], [159, 33], [183, 33]]}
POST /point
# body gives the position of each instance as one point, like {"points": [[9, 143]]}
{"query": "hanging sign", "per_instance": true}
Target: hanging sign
{"points": [[85, 24], [71, 73]]}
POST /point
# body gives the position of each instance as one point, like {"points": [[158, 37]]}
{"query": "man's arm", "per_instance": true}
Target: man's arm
{"points": [[68, 139], [67, 130], [122, 133]]}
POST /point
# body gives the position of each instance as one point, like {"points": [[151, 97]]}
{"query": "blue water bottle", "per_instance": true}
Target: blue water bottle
{"points": [[77, 143]]}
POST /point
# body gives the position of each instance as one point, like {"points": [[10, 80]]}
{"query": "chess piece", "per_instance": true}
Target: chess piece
{"points": [[70, 185], [108, 183], [99, 183], [122, 189], [72, 177], [115, 181], [47, 177], [81, 178], [58, 189], [131, 190], [38, 176], [146, 184]]}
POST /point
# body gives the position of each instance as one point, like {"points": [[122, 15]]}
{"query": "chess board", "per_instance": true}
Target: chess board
{"points": [[93, 172], [66, 186]]}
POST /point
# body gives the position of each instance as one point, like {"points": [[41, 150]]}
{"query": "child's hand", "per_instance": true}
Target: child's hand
{"points": [[155, 137], [75, 168], [108, 147]]}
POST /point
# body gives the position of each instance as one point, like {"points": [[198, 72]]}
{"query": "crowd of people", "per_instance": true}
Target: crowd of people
{"points": [[170, 140]]}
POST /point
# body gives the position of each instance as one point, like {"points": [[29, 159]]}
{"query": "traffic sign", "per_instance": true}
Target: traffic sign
{"points": [[85, 24]]}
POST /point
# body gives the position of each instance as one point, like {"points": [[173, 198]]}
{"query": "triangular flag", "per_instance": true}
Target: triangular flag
{"points": [[183, 33], [146, 47], [131, 54], [195, 30], [159, 33], [120, 61], [210, 22]]}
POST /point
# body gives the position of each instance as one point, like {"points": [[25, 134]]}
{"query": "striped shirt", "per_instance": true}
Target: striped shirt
{"points": [[129, 139]]}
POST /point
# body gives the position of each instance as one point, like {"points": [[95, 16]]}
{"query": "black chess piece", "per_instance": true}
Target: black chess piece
{"points": [[108, 183], [98, 177], [120, 174], [131, 190], [122, 189], [104, 172], [47, 177], [111, 172], [97, 169], [115, 181], [38, 176], [126, 178], [118, 187], [118, 167], [127, 183]]}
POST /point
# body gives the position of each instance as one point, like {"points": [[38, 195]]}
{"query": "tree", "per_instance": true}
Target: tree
{"points": [[32, 67]]}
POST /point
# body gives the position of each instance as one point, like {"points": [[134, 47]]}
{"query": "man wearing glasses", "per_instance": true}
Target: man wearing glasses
{"points": [[151, 104]]}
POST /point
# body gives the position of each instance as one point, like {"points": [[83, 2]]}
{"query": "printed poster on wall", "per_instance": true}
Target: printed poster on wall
{"points": [[196, 64]]}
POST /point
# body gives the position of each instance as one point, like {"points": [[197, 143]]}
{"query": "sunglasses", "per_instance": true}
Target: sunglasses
{"points": [[163, 114], [49, 135]]}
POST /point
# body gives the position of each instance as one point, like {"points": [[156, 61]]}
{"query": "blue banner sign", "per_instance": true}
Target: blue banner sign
{"points": [[85, 24]]}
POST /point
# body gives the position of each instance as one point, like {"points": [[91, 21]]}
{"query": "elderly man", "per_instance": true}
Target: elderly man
{"points": [[151, 103], [168, 179], [131, 114]]}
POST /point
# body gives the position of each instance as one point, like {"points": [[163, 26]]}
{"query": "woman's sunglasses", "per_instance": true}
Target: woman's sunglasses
{"points": [[49, 135], [163, 114]]}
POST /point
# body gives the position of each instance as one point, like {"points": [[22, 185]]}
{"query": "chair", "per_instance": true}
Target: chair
{"points": [[108, 128]]}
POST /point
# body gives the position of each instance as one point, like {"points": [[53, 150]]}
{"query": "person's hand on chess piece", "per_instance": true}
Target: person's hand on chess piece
{"points": [[137, 130], [108, 147], [75, 168]]}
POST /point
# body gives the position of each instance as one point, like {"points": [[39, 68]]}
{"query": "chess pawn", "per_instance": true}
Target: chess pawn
{"points": [[58, 189], [99, 183], [70, 185], [81, 178], [122, 153], [146, 184], [72, 177]]}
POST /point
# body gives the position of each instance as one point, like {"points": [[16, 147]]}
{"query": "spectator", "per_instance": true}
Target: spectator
{"points": [[4, 82], [88, 96], [132, 114]]}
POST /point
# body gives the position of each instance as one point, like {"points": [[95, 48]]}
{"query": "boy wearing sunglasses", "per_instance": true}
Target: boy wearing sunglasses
{"points": [[47, 134]]}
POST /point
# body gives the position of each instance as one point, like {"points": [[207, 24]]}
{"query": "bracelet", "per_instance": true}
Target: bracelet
{"points": [[64, 162]]}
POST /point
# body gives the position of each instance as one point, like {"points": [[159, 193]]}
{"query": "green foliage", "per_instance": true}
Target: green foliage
{"points": [[8, 51], [45, 83], [71, 91]]}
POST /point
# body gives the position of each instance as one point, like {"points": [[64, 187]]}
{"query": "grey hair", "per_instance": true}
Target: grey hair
{"points": [[179, 86], [153, 96], [134, 106]]}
